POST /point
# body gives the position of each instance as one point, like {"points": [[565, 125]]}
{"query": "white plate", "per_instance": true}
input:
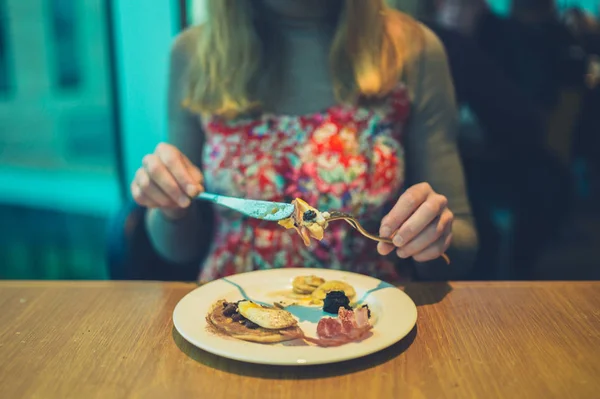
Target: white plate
{"points": [[394, 315]]}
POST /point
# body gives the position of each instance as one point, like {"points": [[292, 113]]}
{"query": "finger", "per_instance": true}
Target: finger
{"points": [[435, 250], [155, 196], [406, 205], [162, 178], [193, 170], [194, 189], [439, 227], [138, 195], [428, 236], [385, 249], [427, 212], [173, 160]]}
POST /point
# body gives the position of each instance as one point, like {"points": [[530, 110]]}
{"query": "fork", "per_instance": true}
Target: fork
{"points": [[352, 221]]}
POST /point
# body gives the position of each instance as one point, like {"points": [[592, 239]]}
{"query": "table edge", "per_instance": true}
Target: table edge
{"points": [[188, 285], [92, 283]]}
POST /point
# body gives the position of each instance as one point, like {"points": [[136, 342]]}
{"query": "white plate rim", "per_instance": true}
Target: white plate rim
{"points": [[194, 331]]}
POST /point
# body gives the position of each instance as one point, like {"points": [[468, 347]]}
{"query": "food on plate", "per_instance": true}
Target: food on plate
{"points": [[284, 304], [249, 321], [335, 300], [269, 318], [318, 295], [349, 326], [365, 306], [306, 284], [307, 221], [312, 291], [287, 297]]}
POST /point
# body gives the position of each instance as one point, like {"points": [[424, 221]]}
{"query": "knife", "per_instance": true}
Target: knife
{"points": [[264, 210]]}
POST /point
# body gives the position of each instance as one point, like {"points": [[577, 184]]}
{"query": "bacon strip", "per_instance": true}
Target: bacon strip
{"points": [[350, 326]]}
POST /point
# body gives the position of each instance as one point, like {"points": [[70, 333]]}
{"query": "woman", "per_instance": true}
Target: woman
{"points": [[327, 100]]}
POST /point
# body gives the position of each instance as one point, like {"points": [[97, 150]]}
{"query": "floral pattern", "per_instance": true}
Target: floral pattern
{"points": [[345, 158]]}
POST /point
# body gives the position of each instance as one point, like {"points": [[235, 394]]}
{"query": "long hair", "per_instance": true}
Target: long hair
{"points": [[367, 55]]}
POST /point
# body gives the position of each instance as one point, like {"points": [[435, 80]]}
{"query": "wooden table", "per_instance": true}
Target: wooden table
{"points": [[472, 340]]}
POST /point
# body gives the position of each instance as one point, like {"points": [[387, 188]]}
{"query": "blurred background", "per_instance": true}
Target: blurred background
{"points": [[82, 99]]}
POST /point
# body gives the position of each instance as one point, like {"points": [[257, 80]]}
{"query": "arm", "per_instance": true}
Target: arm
{"points": [[432, 155], [184, 239]]}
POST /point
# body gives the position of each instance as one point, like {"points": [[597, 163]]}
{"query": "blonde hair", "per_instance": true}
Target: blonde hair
{"points": [[367, 56]]}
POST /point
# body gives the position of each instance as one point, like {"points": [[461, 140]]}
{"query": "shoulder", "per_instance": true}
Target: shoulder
{"points": [[185, 44], [425, 61], [420, 41], [433, 51], [187, 38]]}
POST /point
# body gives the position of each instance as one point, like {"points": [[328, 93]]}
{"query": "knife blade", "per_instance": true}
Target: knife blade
{"points": [[264, 210]]}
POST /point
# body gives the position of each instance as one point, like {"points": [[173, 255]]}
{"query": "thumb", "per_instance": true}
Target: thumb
{"points": [[197, 178]]}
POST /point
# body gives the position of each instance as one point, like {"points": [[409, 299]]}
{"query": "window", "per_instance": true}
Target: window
{"points": [[57, 125], [58, 147], [66, 63]]}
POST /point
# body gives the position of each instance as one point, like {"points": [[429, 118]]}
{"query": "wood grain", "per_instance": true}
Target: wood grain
{"points": [[472, 340]]}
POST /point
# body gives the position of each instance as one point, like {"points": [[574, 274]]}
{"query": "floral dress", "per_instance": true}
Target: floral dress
{"points": [[345, 158]]}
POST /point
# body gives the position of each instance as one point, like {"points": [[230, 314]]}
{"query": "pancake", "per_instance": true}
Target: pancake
{"points": [[306, 284], [241, 330]]}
